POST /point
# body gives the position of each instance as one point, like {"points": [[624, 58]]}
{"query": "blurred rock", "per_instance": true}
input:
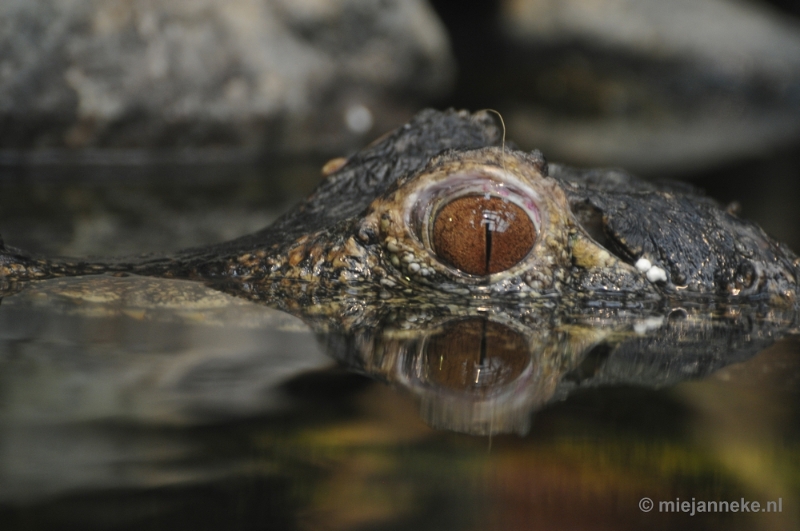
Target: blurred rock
{"points": [[286, 75], [653, 85]]}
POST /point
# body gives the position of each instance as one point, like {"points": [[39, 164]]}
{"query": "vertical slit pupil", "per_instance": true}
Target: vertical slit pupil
{"points": [[488, 251], [482, 235], [475, 355], [482, 359]]}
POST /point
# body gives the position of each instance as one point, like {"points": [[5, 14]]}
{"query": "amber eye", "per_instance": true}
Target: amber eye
{"points": [[475, 354], [481, 235]]}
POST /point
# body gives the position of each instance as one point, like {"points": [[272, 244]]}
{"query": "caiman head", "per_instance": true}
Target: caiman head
{"points": [[442, 209]]}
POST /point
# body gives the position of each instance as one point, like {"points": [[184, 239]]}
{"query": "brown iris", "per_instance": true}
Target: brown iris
{"points": [[481, 235], [475, 354]]}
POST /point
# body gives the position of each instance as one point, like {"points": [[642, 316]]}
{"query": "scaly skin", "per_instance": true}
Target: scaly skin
{"points": [[365, 234]]}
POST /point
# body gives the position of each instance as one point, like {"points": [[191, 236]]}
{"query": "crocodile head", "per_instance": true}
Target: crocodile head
{"points": [[428, 214], [441, 210]]}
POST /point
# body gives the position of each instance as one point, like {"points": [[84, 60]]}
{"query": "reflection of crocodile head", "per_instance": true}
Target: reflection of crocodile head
{"points": [[485, 370], [434, 210], [184, 351]]}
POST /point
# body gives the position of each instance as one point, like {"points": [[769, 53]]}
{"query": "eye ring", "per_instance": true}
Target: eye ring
{"points": [[481, 234]]}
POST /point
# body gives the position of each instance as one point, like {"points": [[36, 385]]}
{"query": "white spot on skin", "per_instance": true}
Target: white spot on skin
{"points": [[643, 265], [413, 267], [656, 274], [653, 272], [358, 118]]}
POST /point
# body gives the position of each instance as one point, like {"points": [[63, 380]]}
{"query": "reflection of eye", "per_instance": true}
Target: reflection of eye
{"points": [[482, 235], [475, 354]]}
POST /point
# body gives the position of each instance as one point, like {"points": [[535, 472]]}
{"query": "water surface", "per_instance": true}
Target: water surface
{"points": [[129, 403]]}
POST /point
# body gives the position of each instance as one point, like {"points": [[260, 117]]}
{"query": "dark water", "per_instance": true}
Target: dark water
{"points": [[129, 403]]}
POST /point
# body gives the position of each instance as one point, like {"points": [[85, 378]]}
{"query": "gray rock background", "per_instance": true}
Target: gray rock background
{"points": [[653, 85], [649, 85], [281, 75]]}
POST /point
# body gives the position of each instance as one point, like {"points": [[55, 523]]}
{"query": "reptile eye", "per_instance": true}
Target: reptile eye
{"points": [[475, 354], [482, 235]]}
